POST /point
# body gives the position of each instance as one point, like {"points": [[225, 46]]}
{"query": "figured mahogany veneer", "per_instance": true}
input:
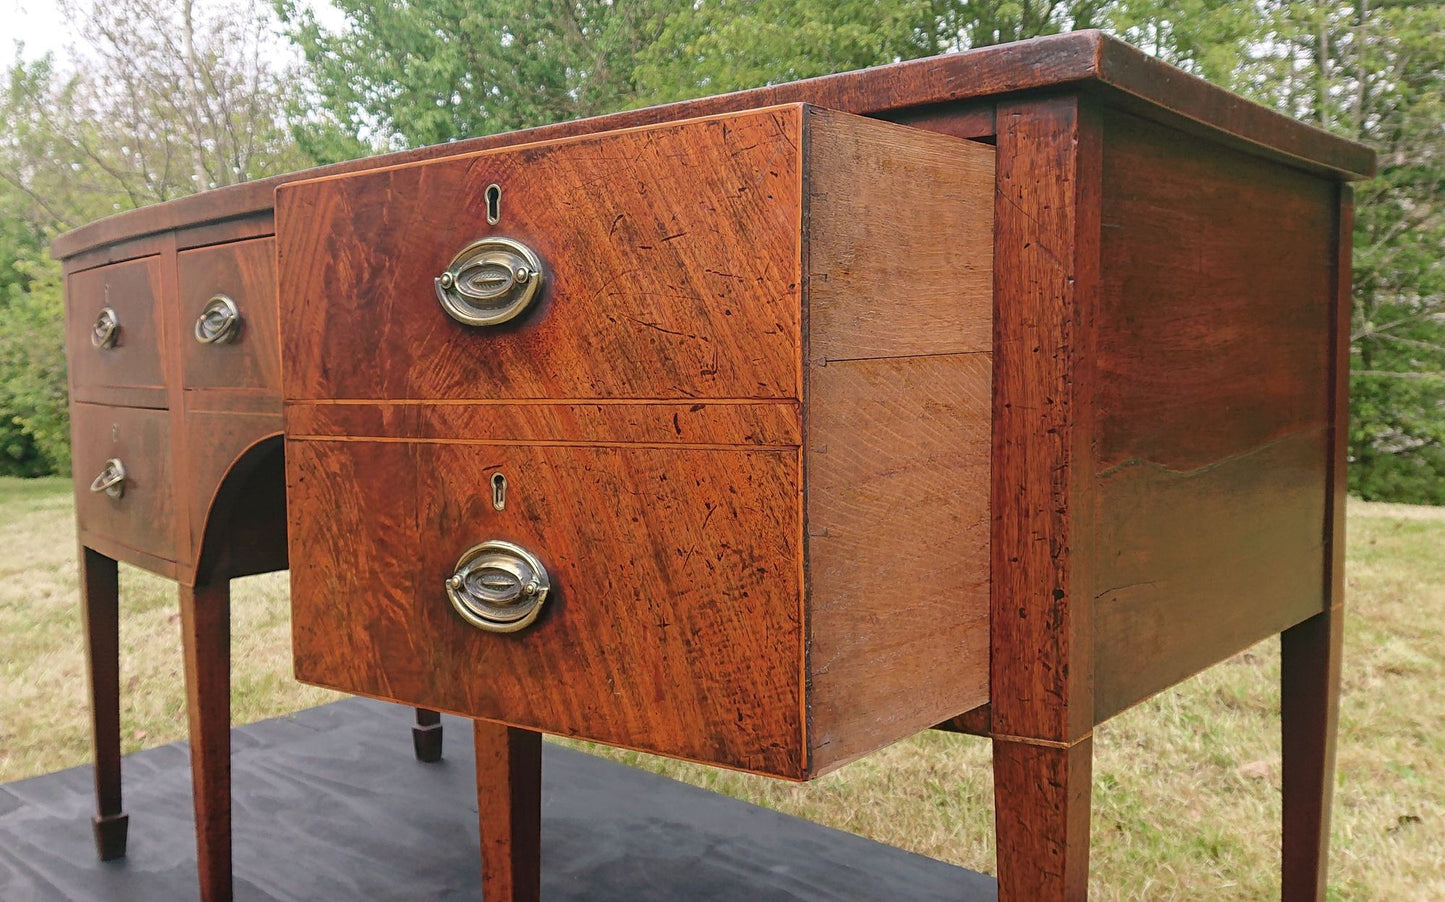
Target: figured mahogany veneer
{"points": [[740, 515], [824, 427]]}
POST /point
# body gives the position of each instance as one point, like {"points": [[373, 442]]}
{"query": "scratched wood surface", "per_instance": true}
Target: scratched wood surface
{"points": [[674, 624], [881, 634], [670, 253], [1212, 464]]}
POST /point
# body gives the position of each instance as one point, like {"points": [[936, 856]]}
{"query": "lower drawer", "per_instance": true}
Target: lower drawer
{"points": [[121, 464], [673, 619]]}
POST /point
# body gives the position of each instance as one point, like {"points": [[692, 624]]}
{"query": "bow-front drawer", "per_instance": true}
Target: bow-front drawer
{"points": [[228, 335], [112, 334], [121, 463], [675, 438]]}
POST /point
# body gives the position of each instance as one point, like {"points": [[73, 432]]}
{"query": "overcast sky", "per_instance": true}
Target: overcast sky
{"points": [[38, 24], [35, 22]]}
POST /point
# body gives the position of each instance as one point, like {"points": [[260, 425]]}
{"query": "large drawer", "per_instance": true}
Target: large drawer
{"points": [[744, 429], [121, 464], [674, 617], [228, 334], [113, 334], [671, 260]]}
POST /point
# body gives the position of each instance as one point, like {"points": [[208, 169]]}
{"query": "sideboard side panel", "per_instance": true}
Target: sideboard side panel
{"points": [[1211, 463], [899, 394]]}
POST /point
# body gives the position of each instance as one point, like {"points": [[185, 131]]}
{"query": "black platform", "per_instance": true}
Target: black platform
{"points": [[330, 804]]}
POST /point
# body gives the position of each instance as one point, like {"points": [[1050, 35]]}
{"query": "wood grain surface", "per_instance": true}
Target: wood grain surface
{"points": [[1214, 393], [670, 253], [100, 616], [206, 644], [143, 518], [509, 807], [674, 624], [1045, 276], [244, 271], [899, 305], [132, 371], [897, 410], [712, 423]]}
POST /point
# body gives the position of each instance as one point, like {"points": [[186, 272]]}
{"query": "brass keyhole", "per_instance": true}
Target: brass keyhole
{"points": [[494, 204], [499, 491]]}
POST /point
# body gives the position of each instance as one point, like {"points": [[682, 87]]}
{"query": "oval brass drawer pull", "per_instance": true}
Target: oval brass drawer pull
{"points": [[490, 282], [111, 479], [103, 332], [219, 323], [498, 587]]}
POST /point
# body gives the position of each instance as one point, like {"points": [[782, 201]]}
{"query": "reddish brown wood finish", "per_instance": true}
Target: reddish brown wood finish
{"points": [[244, 271], [100, 595], [1310, 652], [1214, 397], [206, 643], [131, 371], [143, 517], [1046, 275], [1045, 279], [686, 642], [646, 295], [1041, 797], [509, 804], [729, 423], [686, 621]]}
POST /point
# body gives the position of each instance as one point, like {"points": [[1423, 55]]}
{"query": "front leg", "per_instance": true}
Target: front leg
{"points": [[206, 639], [1041, 798], [509, 810], [100, 611]]}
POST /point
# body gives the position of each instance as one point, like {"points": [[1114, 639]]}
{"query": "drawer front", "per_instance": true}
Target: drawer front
{"points": [[228, 334], [673, 619], [137, 510], [669, 255], [126, 353]]}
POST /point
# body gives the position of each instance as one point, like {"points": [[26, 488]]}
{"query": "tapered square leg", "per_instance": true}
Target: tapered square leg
{"points": [[1309, 712], [206, 639], [1041, 798], [426, 736], [100, 610], [509, 809]]}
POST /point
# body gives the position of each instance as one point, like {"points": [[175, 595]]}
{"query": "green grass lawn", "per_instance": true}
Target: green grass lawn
{"points": [[1186, 785]]}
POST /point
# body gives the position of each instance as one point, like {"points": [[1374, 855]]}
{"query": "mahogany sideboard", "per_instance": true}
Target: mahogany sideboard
{"points": [[994, 391]]}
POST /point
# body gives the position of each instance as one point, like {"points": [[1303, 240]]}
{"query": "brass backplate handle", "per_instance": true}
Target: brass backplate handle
{"points": [[492, 281], [107, 326], [219, 322], [498, 587], [111, 479]]}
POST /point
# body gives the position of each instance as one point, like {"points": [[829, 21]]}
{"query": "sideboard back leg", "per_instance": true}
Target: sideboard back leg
{"points": [[426, 736], [1309, 708], [509, 811], [100, 588], [1041, 817], [206, 638]]}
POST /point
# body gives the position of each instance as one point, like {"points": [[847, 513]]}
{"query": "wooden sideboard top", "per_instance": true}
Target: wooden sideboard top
{"points": [[1085, 60]]}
